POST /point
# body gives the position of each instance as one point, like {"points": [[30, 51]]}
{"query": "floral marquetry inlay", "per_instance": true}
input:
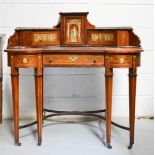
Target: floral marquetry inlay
{"points": [[101, 37], [121, 60], [122, 38], [45, 37], [72, 57]]}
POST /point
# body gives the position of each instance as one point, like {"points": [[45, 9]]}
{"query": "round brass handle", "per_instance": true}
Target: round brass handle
{"points": [[25, 60]]}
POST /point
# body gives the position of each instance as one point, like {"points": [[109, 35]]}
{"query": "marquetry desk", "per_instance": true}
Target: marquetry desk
{"points": [[74, 42]]}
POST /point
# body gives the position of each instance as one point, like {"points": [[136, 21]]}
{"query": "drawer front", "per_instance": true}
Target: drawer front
{"points": [[22, 60], [73, 60], [121, 61]]}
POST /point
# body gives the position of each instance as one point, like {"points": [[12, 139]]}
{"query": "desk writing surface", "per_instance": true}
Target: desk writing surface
{"points": [[65, 49]]}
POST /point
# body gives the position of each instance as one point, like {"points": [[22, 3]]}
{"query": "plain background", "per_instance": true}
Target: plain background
{"points": [[80, 88]]}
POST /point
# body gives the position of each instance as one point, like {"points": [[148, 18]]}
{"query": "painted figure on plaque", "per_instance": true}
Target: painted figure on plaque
{"points": [[74, 34]]}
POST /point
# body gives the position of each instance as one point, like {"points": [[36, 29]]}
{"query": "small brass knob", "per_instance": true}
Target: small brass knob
{"points": [[94, 61], [50, 61], [25, 60]]}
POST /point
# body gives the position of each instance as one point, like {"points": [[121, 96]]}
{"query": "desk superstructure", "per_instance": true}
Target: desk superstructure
{"points": [[74, 42]]}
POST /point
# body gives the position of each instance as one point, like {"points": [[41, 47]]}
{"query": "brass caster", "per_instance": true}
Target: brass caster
{"points": [[18, 143], [108, 146], [39, 143], [130, 146]]}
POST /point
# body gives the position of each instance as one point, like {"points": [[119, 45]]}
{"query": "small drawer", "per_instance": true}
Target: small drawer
{"points": [[22, 60], [121, 61], [73, 60]]}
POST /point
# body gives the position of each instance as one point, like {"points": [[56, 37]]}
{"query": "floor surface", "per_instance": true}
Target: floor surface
{"points": [[80, 138]]}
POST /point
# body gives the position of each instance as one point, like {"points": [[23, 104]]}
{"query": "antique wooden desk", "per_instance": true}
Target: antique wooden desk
{"points": [[74, 42]]}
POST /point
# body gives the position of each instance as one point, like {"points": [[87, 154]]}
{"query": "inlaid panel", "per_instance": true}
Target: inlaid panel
{"points": [[39, 37], [25, 38], [73, 29], [121, 61], [100, 37], [46, 38], [122, 38], [22, 60], [136, 60]]}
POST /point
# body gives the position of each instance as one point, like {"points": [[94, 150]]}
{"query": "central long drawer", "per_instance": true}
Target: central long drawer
{"points": [[73, 60]]}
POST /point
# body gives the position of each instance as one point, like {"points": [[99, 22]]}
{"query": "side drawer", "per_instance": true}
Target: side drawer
{"points": [[73, 60], [121, 61], [22, 60]]}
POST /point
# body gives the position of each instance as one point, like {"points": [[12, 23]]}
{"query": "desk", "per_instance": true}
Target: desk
{"points": [[38, 57]]}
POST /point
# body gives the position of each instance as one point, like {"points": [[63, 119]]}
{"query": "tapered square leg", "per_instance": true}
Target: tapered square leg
{"points": [[43, 112], [132, 100], [15, 98], [108, 92], [39, 98]]}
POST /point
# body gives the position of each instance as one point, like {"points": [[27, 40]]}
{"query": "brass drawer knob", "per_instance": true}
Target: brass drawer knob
{"points": [[50, 61], [73, 57], [25, 60], [94, 61]]}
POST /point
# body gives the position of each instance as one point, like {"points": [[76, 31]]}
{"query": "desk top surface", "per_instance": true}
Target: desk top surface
{"points": [[65, 49]]}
